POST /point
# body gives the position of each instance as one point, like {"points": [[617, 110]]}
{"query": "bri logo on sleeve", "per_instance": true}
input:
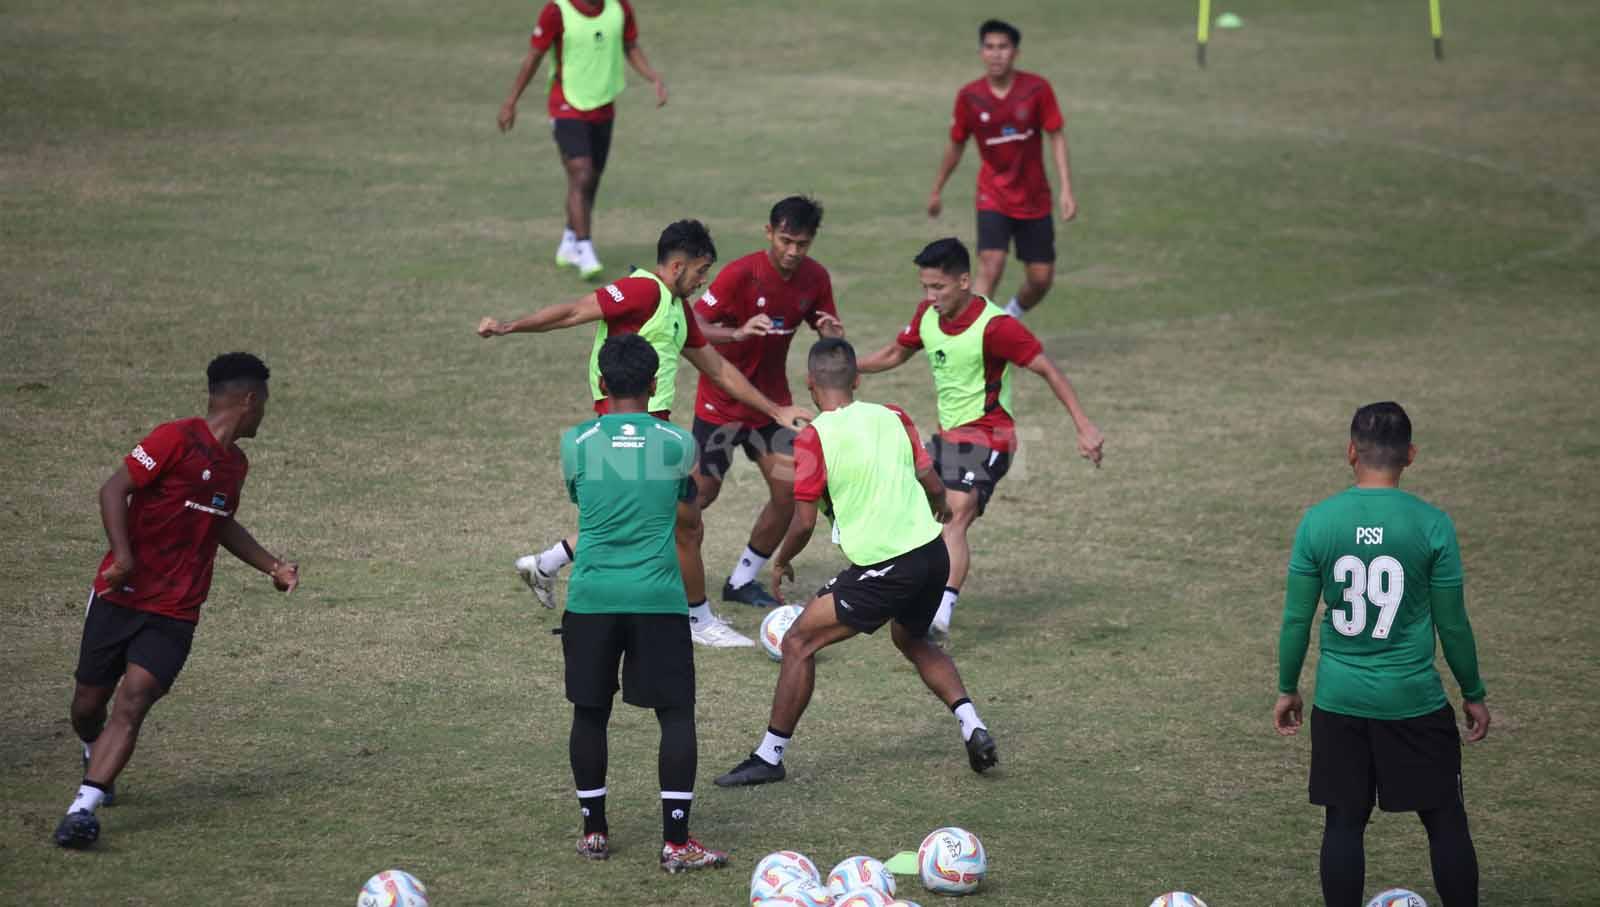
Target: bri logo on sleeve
{"points": [[143, 459]]}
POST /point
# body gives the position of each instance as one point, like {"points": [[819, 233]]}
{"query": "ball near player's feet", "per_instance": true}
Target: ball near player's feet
{"points": [[393, 888], [952, 861], [1177, 899], [1397, 897]]}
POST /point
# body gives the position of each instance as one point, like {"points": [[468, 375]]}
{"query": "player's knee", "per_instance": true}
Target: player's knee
{"points": [[1041, 279], [800, 644], [709, 490], [582, 176]]}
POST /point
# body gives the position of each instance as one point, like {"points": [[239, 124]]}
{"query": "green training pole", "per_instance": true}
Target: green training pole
{"points": [[1203, 31], [1436, 23]]}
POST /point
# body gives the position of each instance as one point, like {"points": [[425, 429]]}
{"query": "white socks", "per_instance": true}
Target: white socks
{"points": [[773, 746], [947, 607], [701, 613], [88, 800], [555, 557], [968, 716], [750, 564], [1014, 308]]}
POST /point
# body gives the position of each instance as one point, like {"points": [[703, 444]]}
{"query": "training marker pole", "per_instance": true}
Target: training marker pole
{"points": [[1203, 31], [1436, 22]]}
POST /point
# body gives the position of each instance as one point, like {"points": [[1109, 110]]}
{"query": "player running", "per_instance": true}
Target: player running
{"points": [[585, 78], [627, 472], [1006, 110], [652, 304], [1389, 568], [166, 508], [751, 312], [972, 346], [887, 506]]}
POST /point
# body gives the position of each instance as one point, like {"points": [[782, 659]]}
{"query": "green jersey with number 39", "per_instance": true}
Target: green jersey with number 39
{"points": [[1388, 566]]}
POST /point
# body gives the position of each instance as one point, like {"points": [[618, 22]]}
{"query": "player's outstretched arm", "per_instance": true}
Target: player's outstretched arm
{"points": [[947, 166], [881, 360], [641, 65], [1091, 445], [550, 318], [724, 375], [508, 110], [1299, 604], [795, 539], [242, 545], [718, 334], [114, 515]]}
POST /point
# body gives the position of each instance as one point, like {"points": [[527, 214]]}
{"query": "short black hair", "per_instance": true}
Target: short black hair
{"points": [[1382, 435], [628, 363], [686, 237], [832, 363], [799, 213], [232, 370], [1001, 27], [948, 255]]}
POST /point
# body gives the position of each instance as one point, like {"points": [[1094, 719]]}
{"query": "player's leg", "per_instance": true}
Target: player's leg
{"points": [[775, 459], [1419, 769], [102, 659], [706, 628], [934, 665], [994, 244], [1343, 782], [572, 144], [817, 627], [1450, 850], [1036, 247], [588, 187], [591, 649]]}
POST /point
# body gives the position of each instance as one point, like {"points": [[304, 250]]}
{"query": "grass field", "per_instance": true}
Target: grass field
{"points": [[1323, 218]]}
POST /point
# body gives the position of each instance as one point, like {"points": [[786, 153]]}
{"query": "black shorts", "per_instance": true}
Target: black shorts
{"points": [[655, 651], [1036, 237], [115, 637], [972, 468], [717, 443], [581, 138], [1409, 764], [907, 588]]}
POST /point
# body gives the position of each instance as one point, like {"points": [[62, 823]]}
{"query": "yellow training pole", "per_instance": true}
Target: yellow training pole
{"points": [[1437, 24], [1203, 30]]}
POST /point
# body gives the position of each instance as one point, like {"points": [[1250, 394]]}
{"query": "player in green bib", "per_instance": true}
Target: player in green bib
{"points": [[627, 471], [973, 348], [1387, 565], [652, 304], [887, 507]]}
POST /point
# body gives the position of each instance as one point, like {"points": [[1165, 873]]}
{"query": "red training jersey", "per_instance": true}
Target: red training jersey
{"points": [[745, 288], [1011, 180], [547, 34], [811, 470], [185, 489], [1005, 340], [627, 304]]}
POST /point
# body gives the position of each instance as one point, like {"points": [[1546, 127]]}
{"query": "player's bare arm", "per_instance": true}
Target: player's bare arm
{"points": [[1090, 442], [938, 501], [1058, 150], [641, 65], [726, 376], [114, 515], [757, 326], [550, 318], [947, 166], [242, 545], [508, 110], [795, 539], [888, 357]]}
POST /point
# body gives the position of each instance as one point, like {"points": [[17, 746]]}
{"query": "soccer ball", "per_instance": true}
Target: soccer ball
{"points": [[861, 897], [951, 861], [904, 903], [777, 872], [1177, 899], [799, 893], [774, 625], [393, 888], [1397, 897], [860, 872]]}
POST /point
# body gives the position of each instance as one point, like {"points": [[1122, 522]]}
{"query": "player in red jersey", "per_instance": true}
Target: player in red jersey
{"points": [[653, 304], [582, 132], [751, 312], [1006, 111], [167, 507], [972, 346]]}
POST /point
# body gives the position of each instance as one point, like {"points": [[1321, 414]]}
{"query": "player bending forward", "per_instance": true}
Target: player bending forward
{"points": [[166, 509], [627, 471], [971, 347], [887, 506], [1382, 728]]}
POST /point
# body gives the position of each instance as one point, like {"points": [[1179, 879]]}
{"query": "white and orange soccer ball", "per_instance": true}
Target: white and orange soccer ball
{"points": [[778, 871], [802, 893], [1397, 897], [1177, 899], [774, 625], [861, 897], [861, 872], [393, 888], [952, 861]]}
